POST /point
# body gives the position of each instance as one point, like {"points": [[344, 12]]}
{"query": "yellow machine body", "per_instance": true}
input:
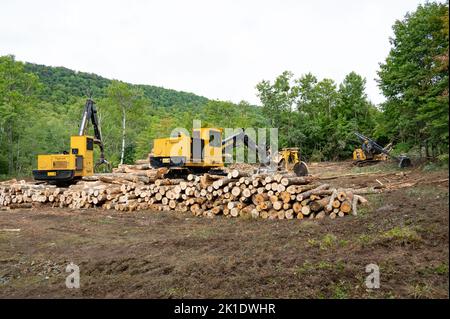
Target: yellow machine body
{"points": [[288, 157], [358, 155], [203, 150], [65, 167]]}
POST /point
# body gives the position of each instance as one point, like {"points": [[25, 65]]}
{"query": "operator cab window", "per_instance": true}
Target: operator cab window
{"points": [[214, 139]]}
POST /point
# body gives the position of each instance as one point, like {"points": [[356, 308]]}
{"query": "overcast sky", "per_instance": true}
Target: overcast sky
{"points": [[218, 49]]}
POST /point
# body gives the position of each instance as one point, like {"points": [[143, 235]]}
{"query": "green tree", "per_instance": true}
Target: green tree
{"points": [[125, 102], [18, 91], [414, 78]]}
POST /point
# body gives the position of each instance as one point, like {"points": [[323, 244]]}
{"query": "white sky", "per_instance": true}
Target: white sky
{"points": [[218, 49]]}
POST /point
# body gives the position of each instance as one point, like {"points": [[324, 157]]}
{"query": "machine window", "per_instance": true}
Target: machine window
{"points": [[214, 139], [79, 163], [90, 144]]}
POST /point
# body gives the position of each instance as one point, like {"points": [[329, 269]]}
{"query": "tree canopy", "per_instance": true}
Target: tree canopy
{"points": [[414, 79]]}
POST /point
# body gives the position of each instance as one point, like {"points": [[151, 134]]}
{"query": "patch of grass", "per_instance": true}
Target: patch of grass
{"points": [[420, 291], [313, 242], [308, 267], [425, 192], [325, 265], [364, 240], [376, 200], [403, 235], [305, 268], [390, 295], [363, 211], [174, 292], [441, 269], [329, 241], [304, 224], [377, 168], [203, 233], [340, 291], [343, 242], [105, 221], [439, 164], [26, 282]]}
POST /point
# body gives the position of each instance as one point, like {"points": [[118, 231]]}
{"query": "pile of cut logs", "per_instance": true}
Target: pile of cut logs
{"points": [[139, 187]]}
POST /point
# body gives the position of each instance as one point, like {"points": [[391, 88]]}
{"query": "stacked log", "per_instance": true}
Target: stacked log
{"points": [[238, 194]]}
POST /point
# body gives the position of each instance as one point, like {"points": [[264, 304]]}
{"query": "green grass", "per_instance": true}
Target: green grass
{"points": [[420, 291], [105, 221], [426, 192], [377, 168], [364, 240], [340, 291], [402, 235], [175, 292], [441, 163], [329, 241], [308, 267], [375, 201], [441, 269]]}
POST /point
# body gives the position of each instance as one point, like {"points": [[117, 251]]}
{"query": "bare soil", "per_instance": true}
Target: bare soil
{"points": [[174, 255]]}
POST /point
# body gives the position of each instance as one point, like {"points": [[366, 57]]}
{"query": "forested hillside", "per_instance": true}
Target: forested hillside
{"points": [[62, 84], [40, 106]]}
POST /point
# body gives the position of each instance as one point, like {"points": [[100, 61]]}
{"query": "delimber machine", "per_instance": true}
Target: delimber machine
{"points": [[79, 162]]}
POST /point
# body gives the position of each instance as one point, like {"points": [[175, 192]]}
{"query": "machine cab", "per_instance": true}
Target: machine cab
{"points": [[202, 150], [64, 167]]}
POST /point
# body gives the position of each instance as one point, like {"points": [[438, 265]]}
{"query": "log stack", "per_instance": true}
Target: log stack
{"points": [[238, 194]]}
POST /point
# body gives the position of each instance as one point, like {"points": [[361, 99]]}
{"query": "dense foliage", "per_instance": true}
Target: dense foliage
{"points": [[318, 116], [40, 106], [414, 79]]}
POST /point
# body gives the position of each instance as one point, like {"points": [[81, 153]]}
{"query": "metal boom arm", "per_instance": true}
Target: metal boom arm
{"points": [[263, 155], [90, 114]]}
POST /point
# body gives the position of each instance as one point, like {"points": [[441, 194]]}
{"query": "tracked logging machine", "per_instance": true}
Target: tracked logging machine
{"points": [[79, 162], [206, 151], [371, 153]]}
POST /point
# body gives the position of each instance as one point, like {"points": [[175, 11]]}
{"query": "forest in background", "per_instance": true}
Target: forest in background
{"points": [[41, 106]]}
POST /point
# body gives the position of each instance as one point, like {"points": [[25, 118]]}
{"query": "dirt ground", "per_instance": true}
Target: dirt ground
{"points": [[174, 255]]}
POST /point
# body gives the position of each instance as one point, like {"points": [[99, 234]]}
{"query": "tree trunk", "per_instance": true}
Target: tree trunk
{"points": [[10, 154], [122, 153]]}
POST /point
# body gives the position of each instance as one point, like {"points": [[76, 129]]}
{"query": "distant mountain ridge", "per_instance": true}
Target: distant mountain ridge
{"points": [[61, 85]]}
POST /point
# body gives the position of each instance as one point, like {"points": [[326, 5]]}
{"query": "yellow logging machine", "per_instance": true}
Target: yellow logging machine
{"points": [[69, 166], [371, 152], [205, 151]]}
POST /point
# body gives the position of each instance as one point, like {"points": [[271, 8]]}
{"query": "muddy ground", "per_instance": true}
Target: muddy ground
{"points": [[174, 255]]}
